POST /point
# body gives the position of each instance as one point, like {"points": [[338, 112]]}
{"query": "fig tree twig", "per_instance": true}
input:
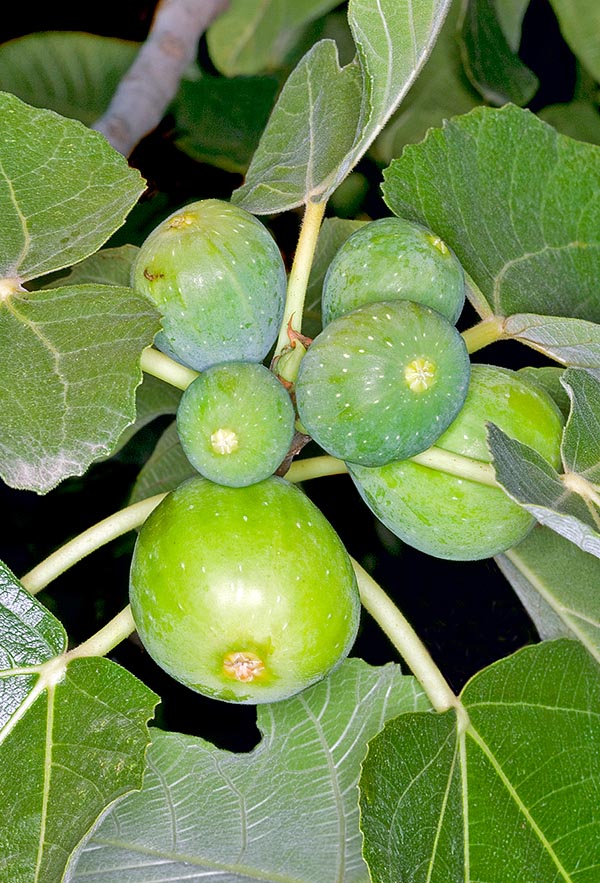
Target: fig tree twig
{"points": [[152, 81]]}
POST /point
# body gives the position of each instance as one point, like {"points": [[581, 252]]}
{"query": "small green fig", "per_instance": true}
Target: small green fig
{"points": [[383, 382], [236, 423]]}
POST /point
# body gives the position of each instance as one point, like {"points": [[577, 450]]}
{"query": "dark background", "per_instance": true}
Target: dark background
{"points": [[466, 613]]}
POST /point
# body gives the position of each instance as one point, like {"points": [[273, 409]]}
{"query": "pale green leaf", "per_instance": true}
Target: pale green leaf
{"points": [[557, 583], [326, 116], [513, 796], [166, 468], [580, 25], [535, 485], [516, 201], [571, 341], [72, 739], [75, 74], [70, 366], [287, 811], [441, 91], [491, 62], [311, 130], [581, 441], [253, 36], [61, 196]]}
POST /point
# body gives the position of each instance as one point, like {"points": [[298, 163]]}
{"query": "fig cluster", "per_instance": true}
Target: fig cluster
{"points": [[239, 587]]}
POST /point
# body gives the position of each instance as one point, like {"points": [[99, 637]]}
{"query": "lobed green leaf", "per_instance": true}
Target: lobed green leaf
{"points": [[499, 186], [70, 360], [72, 739], [327, 116], [513, 795], [286, 811]]}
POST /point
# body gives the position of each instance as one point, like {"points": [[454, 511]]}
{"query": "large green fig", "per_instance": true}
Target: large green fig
{"points": [[458, 518], [243, 594], [217, 276]]}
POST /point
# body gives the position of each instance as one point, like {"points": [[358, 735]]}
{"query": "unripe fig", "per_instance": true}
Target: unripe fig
{"points": [[216, 274], [243, 594], [236, 423], [458, 518], [392, 258], [383, 382]]}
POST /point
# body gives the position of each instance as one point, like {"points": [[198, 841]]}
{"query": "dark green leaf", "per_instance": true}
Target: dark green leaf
{"points": [[72, 739], [220, 121], [165, 469], [515, 795], [61, 196], [253, 36], [74, 74], [493, 65], [580, 25], [516, 201], [578, 119], [70, 367], [288, 811]]}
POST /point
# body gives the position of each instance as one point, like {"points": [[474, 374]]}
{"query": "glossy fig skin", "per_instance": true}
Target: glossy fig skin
{"points": [[393, 258], [243, 594], [456, 518], [216, 274], [236, 423], [382, 382]]}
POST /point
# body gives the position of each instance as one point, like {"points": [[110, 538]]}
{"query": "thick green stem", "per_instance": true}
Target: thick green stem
{"points": [[406, 641], [484, 333], [156, 363], [300, 272], [115, 631], [96, 536]]}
